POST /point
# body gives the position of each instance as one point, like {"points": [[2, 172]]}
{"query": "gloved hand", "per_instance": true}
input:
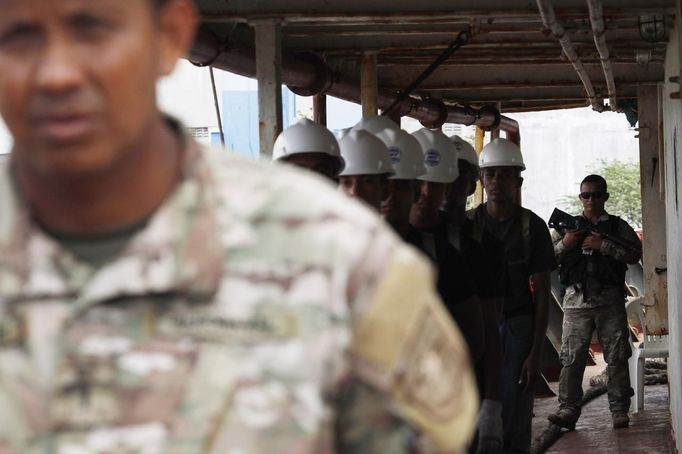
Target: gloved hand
{"points": [[490, 430]]}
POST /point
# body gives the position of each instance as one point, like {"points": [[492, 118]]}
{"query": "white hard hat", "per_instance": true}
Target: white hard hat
{"points": [[375, 124], [465, 150], [405, 152], [440, 156], [307, 137], [501, 153], [364, 154]]}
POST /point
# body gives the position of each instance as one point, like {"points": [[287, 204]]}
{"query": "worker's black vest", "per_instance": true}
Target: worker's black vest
{"points": [[575, 266]]}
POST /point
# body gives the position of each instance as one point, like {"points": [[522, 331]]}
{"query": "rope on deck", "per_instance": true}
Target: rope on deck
{"points": [[655, 372]]}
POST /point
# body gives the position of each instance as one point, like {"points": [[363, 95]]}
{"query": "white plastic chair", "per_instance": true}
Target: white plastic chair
{"points": [[650, 347]]}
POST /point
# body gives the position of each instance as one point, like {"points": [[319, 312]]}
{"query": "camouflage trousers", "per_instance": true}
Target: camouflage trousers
{"points": [[610, 323]]}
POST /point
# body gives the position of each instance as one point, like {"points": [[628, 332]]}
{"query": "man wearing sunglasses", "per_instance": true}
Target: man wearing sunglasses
{"points": [[592, 268]]}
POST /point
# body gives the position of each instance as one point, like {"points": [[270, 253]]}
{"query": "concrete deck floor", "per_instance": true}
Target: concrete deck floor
{"points": [[649, 430]]}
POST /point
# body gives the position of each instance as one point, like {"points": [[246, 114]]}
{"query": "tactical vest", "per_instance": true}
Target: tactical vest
{"points": [[576, 267]]}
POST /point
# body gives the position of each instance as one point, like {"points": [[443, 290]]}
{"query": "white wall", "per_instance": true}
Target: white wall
{"points": [[672, 133], [5, 138], [187, 93], [560, 148]]}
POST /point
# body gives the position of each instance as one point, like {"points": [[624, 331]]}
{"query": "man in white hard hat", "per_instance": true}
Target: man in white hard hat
{"points": [[528, 264], [375, 124], [485, 256], [455, 283], [408, 164], [311, 146], [368, 166]]}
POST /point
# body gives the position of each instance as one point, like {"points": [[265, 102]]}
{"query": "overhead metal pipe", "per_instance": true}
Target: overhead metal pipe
{"points": [[551, 23], [307, 75], [599, 32]]}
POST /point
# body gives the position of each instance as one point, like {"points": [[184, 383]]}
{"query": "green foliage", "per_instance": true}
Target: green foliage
{"points": [[624, 188]]}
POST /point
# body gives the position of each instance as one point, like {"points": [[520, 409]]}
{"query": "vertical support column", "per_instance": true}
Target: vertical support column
{"points": [[369, 89], [269, 74], [478, 146], [320, 109], [653, 213], [495, 133], [395, 116]]}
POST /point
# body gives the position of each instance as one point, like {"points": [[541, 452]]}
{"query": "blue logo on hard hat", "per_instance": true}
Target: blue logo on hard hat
{"points": [[394, 152], [432, 158]]}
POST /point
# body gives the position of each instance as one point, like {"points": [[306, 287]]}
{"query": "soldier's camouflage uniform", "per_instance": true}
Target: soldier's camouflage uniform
{"points": [[600, 309], [257, 311]]}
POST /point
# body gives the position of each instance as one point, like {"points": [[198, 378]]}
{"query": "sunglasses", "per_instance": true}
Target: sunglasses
{"points": [[594, 195]]}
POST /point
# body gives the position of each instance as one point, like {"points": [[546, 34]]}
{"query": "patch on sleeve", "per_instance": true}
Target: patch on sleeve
{"points": [[418, 356], [430, 360]]}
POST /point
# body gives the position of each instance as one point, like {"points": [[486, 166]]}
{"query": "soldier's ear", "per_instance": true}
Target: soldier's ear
{"points": [[177, 21], [520, 182], [606, 196]]}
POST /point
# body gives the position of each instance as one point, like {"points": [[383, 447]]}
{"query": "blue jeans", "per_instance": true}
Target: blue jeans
{"points": [[517, 406]]}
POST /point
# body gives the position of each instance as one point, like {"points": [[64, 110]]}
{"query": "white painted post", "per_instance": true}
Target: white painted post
{"points": [[269, 74], [653, 213]]}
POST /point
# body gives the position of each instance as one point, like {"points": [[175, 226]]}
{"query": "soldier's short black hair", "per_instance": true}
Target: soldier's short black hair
{"points": [[595, 179]]}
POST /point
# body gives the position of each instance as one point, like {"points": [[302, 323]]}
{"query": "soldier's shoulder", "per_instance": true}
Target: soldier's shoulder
{"points": [[7, 198], [297, 214], [282, 190]]}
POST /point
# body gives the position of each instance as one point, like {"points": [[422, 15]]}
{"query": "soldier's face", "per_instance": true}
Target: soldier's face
{"points": [[594, 204], [78, 77]]}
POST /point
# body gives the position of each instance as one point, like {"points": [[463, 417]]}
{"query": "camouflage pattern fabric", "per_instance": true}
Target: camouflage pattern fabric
{"points": [[610, 323], [608, 295], [258, 311], [603, 312]]}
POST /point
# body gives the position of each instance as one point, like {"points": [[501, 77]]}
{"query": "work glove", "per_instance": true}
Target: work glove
{"points": [[490, 430]]}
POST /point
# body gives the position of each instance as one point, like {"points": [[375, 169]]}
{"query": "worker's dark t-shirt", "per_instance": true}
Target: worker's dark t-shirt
{"points": [[484, 255], [455, 282], [523, 256]]}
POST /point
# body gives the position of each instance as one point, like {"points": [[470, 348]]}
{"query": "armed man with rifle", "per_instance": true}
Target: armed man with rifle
{"points": [[593, 251]]}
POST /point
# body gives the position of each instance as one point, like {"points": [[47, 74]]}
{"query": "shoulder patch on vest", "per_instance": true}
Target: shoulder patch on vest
{"points": [[418, 356]]}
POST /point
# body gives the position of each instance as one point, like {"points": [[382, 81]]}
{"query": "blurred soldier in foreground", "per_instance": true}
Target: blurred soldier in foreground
{"points": [[310, 146], [158, 298], [592, 267]]}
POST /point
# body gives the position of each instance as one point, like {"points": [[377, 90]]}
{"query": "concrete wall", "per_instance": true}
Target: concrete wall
{"points": [[561, 147], [672, 136], [5, 139]]}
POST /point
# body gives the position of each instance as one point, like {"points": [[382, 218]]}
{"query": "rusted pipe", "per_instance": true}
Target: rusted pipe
{"points": [[307, 75], [301, 72], [551, 23], [599, 32]]}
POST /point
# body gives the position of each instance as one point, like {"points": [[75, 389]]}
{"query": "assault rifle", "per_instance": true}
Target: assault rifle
{"points": [[562, 221]]}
